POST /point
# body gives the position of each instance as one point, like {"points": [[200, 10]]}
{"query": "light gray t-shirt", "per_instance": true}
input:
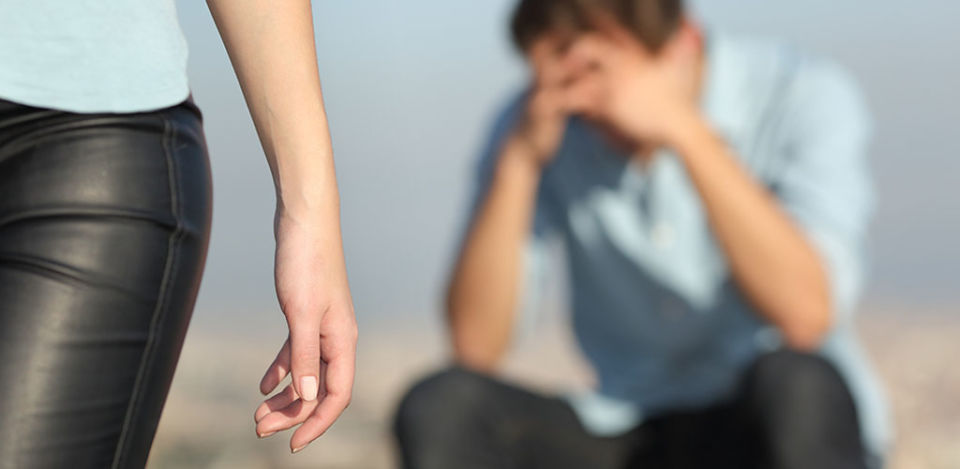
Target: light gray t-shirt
{"points": [[92, 55]]}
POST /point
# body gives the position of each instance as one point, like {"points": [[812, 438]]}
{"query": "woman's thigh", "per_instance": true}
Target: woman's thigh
{"points": [[104, 224]]}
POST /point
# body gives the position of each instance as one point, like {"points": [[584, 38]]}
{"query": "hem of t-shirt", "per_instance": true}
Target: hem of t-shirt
{"points": [[604, 416], [90, 104]]}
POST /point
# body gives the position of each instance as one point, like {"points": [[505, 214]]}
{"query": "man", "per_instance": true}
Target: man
{"points": [[712, 197]]}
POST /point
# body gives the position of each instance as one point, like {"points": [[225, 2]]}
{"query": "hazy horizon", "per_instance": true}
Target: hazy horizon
{"points": [[411, 88]]}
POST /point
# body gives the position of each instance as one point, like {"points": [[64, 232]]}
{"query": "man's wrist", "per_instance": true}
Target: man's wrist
{"points": [[688, 132], [520, 155]]}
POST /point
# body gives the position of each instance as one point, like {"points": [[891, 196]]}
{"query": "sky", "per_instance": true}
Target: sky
{"points": [[412, 87]]}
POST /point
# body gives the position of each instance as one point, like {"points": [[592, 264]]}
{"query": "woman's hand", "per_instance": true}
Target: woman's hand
{"points": [[320, 350]]}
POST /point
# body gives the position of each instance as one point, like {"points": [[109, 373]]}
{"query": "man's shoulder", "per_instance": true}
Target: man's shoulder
{"points": [[788, 79], [763, 52], [764, 59]]}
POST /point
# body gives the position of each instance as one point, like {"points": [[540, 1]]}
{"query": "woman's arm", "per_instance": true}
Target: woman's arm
{"points": [[271, 45]]}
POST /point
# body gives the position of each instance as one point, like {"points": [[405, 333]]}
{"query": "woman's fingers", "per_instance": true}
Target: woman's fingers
{"points": [[339, 388], [288, 417], [324, 351], [278, 402], [305, 355], [319, 421], [277, 370], [286, 410]]}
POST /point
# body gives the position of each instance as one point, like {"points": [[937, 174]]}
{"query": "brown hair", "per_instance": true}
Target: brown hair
{"points": [[651, 21]]}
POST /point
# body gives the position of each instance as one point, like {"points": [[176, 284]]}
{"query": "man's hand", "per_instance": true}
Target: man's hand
{"points": [[651, 99], [549, 104], [642, 96], [320, 350]]}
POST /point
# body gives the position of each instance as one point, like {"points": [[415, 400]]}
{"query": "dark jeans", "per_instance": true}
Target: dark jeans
{"points": [[793, 411], [104, 223]]}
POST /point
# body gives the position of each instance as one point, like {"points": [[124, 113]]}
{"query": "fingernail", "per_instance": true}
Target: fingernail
{"points": [[264, 435], [308, 388], [297, 450]]}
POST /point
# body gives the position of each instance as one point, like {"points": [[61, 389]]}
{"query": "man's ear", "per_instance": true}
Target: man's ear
{"points": [[687, 40]]}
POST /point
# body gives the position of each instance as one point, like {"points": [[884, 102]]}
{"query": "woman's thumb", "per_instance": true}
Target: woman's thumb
{"points": [[305, 358]]}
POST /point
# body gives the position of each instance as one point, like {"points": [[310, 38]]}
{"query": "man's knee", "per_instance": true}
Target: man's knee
{"points": [[804, 411], [440, 402], [438, 421], [788, 378]]}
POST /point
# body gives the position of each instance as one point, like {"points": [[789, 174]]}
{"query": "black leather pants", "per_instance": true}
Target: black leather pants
{"points": [[104, 224]]}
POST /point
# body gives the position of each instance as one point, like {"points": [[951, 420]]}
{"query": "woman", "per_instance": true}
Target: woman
{"points": [[105, 218]]}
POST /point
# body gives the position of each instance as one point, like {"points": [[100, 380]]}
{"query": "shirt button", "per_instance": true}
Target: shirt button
{"points": [[663, 235]]}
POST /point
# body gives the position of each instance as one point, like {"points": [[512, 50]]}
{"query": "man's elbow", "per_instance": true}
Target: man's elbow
{"points": [[807, 326], [472, 347], [474, 357]]}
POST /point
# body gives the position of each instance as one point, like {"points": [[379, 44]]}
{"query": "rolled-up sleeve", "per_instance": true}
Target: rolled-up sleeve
{"points": [[824, 182]]}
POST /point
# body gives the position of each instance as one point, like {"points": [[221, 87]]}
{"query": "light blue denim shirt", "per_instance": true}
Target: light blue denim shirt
{"points": [[92, 55], [654, 307]]}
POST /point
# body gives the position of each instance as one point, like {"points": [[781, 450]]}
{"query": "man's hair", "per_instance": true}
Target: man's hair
{"points": [[650, 21]]}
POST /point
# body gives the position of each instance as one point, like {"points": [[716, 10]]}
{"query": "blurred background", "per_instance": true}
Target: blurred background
{"points": [[411, 89]]}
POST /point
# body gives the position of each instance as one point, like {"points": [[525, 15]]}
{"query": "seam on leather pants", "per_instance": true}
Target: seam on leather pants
{"points": [[173, 252]]}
